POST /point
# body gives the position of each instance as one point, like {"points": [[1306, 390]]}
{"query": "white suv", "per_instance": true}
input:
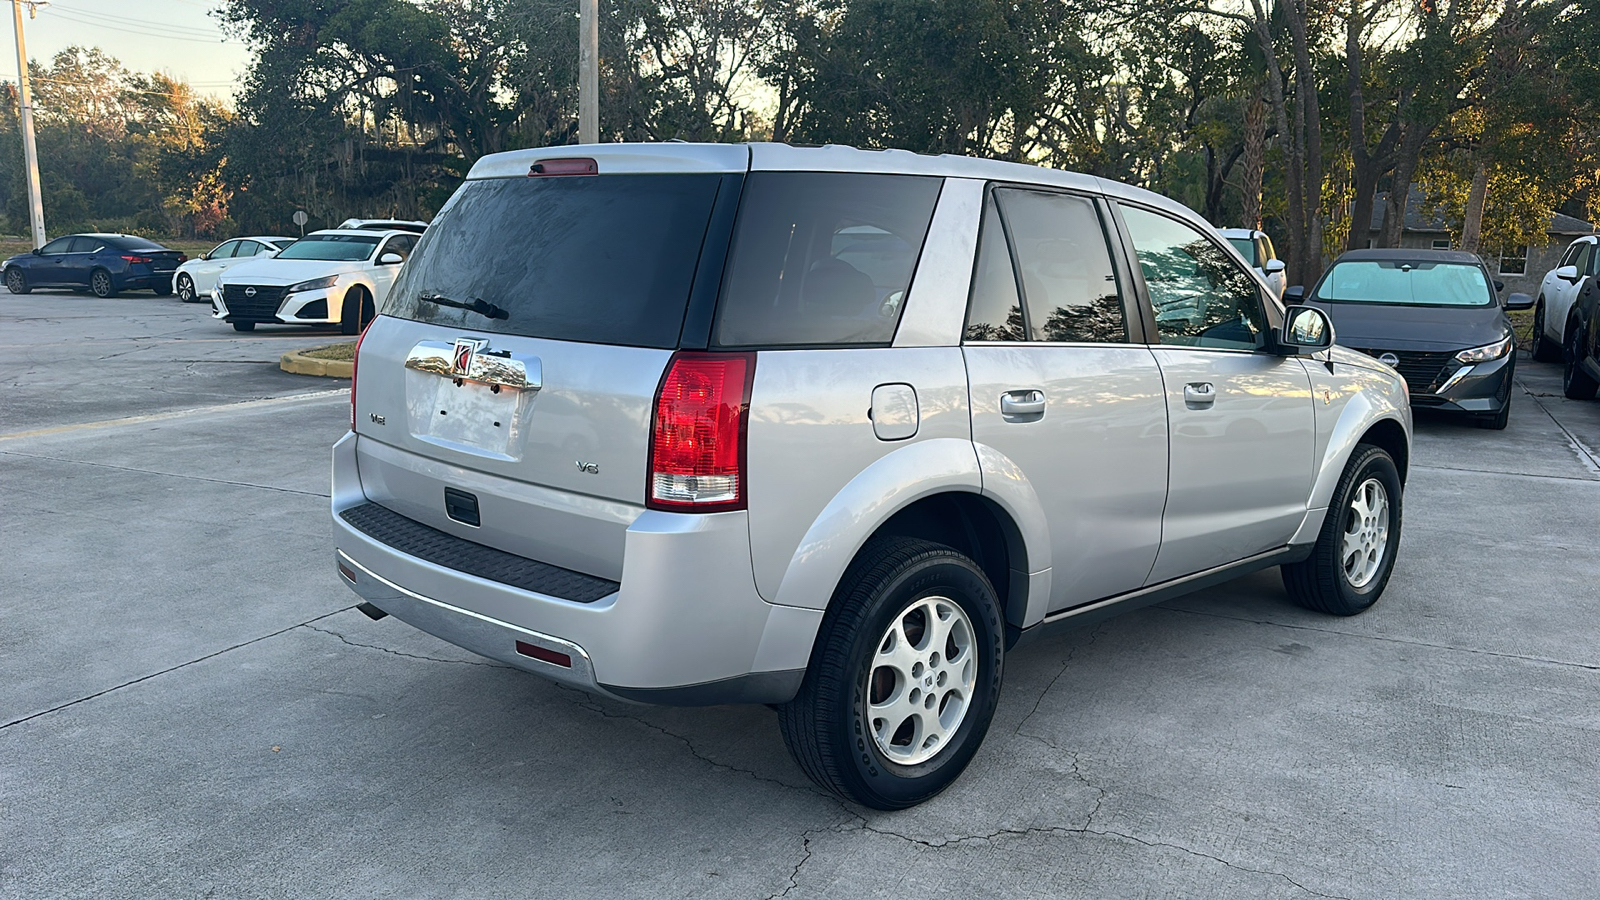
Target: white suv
{"points": [[1256, 248], [834, 429], [338, 276], [1552, 311]]}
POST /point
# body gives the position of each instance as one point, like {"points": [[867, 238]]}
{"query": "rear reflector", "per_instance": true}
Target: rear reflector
{"points": [[697, 436], [550, 656], [572, 166]]}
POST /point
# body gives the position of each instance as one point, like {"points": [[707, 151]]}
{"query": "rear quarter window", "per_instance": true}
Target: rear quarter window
{"points": [[822, 258]]}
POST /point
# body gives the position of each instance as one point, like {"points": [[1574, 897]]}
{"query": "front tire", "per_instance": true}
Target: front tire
{"points": [[1575, 382], [1543, 349], [355, 312], [1354, 555], [903, 679], [17, 281], [1499, 420], [101, 285]]}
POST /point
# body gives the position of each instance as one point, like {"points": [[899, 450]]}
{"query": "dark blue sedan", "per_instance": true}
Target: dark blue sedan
{"points": [[103, 263]]}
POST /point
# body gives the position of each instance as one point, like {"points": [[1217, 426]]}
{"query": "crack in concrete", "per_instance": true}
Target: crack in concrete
{"points": [[1590, 480], [1063, 830], [265, 487], [1094, 635], [1588, 667], [169, 669], [460, 662]]}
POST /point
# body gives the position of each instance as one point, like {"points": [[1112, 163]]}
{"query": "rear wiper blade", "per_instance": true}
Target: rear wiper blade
{"points": [[471, 304]]}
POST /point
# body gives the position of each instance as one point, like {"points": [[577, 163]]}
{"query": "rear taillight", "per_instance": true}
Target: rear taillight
{"points": [[183, 257], [136, 259], [697, 436], [355, 360]]}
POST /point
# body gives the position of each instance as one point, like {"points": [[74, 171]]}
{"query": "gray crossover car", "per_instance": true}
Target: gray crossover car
{"points": [[832, 430]]}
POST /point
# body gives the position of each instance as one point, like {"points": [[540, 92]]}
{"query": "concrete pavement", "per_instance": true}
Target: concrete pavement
{"points": [[189, 706]]}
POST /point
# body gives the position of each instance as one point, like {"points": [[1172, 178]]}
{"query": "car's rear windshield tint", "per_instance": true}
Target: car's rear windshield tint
{"points": [[821, 258], [605, 259], [1406, 282]]}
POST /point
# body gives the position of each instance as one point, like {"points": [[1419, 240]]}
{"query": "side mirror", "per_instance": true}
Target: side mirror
{"points": [[1519, 300], [1306, 329], [38, 251], [1499, 286], [1273, 266], [1294, 293], [391, 259], [1568, 273]]}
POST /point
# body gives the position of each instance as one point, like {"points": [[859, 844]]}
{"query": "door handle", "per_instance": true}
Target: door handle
{"points": [[1022, 403], [1199, 395]]}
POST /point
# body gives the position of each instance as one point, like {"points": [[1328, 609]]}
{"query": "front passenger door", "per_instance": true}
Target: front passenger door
{"points": [[1241, 425], [80, 260]]}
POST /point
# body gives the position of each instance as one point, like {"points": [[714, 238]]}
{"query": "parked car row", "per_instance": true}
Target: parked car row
{"points": [[104, 264]]}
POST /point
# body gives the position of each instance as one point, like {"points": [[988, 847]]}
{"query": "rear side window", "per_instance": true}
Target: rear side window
{"points": [[605, 259], [821, 258]]}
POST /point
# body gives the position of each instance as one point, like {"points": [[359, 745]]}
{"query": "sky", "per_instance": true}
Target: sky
{"points": [[173, 36]]}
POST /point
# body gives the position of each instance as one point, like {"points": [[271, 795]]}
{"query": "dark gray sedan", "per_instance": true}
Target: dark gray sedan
{"points": [[1434, 316]]}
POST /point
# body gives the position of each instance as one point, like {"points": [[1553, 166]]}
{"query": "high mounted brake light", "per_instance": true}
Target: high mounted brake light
{"points": [[572, 166], [697, 433]]}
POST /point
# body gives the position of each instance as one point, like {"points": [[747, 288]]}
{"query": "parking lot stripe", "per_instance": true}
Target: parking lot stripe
{"points": [[178, 414]]}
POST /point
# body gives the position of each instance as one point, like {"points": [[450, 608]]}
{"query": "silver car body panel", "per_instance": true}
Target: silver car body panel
{"points": [[936, 303], [821, 480], [1095, 458]]}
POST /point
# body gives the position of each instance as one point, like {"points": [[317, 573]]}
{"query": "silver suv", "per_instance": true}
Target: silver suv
{"points": [[832, 430]]}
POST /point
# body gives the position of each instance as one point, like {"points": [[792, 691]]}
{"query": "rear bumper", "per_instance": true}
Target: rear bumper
{"points": [[685, 626], [151, 280]]}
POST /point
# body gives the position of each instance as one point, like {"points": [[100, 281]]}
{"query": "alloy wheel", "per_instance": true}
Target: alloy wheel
{"points": [[1366, 533], [185, 289], [922, 680], [100, 283]]}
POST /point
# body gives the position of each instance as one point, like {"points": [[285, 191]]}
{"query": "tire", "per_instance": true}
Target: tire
{"points": [[894, 585], [186, 289], [162, 290], [1542, 348], [1575, 382], [101, 285], [17, 281], [244, 326], [356, 311], [1323, 581]]}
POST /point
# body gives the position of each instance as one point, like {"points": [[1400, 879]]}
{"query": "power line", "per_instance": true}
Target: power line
{"points": [[120, 21], [131, 28]]}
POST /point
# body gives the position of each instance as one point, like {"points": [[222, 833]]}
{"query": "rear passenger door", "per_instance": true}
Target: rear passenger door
{"points": [[1241, 420], [1063, 391]]}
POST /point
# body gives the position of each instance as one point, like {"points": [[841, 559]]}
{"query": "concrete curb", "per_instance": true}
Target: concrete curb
{"points": [[298, 363]]}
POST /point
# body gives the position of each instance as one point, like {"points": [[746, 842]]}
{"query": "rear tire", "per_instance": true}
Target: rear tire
{"points": [[244, 326], [1354, 555], [880, 718], [186, 289], [101, 285], [17, 281], [1542, 348], [162, 290], [1575, 382]]}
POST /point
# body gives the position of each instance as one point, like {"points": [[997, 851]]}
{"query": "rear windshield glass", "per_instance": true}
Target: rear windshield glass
{"points": [[331, 247], [823, 258], [606, 259], [129, 242], [1406, 282]]}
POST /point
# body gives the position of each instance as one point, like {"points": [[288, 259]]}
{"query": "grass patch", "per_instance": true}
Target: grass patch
{"points": [[346, 350], [1522, 326]]}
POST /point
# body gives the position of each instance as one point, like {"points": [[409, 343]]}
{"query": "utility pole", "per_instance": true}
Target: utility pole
{"points": [[25, 102], [588, 71]]}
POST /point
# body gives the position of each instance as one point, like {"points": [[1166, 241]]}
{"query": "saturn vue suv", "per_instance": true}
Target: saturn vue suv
{"points": [[833, 430]]}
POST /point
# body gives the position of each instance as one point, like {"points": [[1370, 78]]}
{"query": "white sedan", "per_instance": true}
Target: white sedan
{"points": [[193, 280], [1556, 293], [1256, 248], [333, 277]]}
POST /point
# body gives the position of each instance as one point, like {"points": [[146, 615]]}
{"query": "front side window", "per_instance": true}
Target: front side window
{"points": [[86, 245], [1406, 282], [57, 247], [332, 247], [1246, 248], [823, 258], [1201, 298], [1570, 255], [224, 250], [401, 244], [1585, 259]]}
